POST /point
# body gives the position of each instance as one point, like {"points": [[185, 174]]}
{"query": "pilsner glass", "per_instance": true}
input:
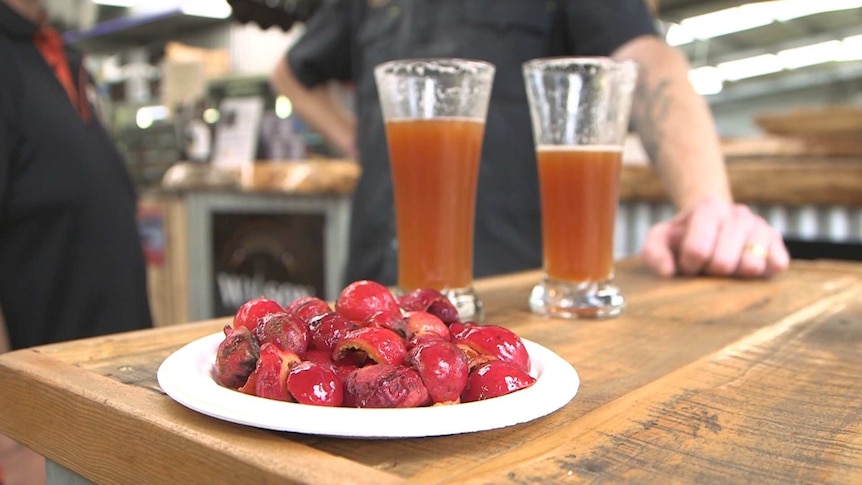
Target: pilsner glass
{"points": [[434, 111], [579, 109]]}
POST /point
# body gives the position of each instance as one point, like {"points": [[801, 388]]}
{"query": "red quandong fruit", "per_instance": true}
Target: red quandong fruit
{"points": [[250, 313], [315, 383], [269, 378], [361, 299], [389, 320], [385, 386], [419, 323], [431, 301], [443, 369], [283, 330], [492, 340], [372, 351], [299, 302], [379, 345], [236, 357], [308, 309], [326, 331], [493, 379], [324, 357]]}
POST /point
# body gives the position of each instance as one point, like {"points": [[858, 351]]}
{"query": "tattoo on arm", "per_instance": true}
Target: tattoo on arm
{"points": [[649, 112]]}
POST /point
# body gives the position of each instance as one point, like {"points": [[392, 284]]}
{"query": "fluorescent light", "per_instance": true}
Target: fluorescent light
{"points": [[753, 15], [793, 9], [678, 35], [216, 9], [706, 80], [729, 20], [750, 67], [851, 48], [709, 80], [810, 55]]}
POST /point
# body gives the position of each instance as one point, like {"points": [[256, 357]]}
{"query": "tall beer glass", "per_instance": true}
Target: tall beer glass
{"points": [[579, 109], [434, 111]]}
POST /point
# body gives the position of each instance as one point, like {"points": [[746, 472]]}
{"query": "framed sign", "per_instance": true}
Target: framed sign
{"points": [[280, 256]]}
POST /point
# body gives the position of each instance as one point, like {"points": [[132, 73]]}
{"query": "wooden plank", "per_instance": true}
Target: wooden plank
{"points": [[178, 257], [837, 120], [138, 439], [779, 406], [117, 348], [791, 182], [301, 177], [151, 211], [791, 147], [167, 280]]}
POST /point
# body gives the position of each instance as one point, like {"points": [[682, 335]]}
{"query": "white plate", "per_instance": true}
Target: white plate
{"points": [[187, 377]]}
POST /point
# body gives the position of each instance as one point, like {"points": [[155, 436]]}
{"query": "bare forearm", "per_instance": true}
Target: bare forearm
{"points": [[675, 125], [317, 107]]}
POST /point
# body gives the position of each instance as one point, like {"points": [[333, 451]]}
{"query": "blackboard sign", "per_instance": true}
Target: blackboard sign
{"points": [[280, 256]]}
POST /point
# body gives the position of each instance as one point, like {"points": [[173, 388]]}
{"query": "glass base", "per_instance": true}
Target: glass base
{"points": [[470, 307], [561, 299]]}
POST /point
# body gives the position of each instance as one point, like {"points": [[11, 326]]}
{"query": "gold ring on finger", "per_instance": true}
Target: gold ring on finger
{"points": [[758, 250]]}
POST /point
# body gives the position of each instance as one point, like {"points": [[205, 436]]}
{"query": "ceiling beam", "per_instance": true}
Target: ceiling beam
{"points": [[836, 34], [821, 75], [674, 11]]}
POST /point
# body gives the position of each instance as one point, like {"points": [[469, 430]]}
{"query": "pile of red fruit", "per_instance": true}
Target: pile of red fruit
{"points": [[372, 351]]}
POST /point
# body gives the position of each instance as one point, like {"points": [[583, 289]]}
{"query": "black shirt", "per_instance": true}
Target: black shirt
{"points": [[347, 38], [71, 261]]}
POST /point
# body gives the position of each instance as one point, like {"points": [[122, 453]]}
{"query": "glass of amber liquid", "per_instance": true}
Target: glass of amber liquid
{"points": [[434, 111], [579, 108]]}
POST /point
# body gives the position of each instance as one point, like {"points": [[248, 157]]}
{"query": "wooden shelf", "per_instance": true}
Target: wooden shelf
{"points": [[139, 30], [765, 180]]}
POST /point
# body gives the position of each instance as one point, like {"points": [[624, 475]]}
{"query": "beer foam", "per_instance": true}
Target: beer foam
{"points": [[579, 148]]}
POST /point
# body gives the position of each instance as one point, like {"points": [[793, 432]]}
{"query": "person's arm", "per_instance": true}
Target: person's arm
{"points": [[320, 56], [318, 107], [710, 235], [675, 124]]}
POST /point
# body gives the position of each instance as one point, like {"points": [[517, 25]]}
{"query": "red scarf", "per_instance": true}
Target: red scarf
{"points": [[50, 44]]}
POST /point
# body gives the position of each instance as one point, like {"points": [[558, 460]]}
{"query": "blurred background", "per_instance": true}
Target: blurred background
{"points": [[227, 171], [166, 62]]}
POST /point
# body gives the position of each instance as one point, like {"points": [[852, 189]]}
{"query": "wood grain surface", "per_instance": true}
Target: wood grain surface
{"points": [[700, 381]]}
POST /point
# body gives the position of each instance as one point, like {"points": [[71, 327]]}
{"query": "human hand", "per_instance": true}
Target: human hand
{"points": [[715, 238], [345, 142]]}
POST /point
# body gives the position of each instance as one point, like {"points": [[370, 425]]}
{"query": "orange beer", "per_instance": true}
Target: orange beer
{"points": [[435, 168], [579, 192]]}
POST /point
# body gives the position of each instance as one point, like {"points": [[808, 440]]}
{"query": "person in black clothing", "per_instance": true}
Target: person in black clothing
{"points": [[346, 39], [71, 260]]}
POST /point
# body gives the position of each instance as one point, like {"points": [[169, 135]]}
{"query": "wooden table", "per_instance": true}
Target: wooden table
{"points": [[700, 381]]}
